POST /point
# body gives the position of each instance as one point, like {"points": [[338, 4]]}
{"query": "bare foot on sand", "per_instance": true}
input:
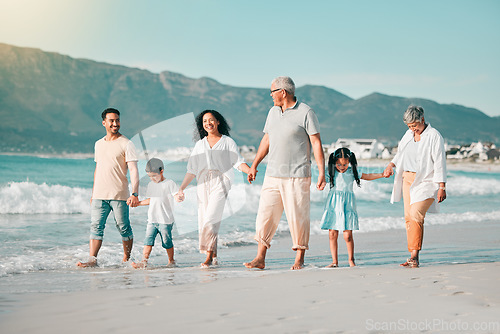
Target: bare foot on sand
{"points": [[140, 265], [332, 265], [297, 265], [171, 264], [91, 263], [256, 263], [351, 263], [299, 259], [208, 262]]}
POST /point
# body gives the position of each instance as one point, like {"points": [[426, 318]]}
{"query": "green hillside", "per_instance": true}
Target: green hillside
{"points": [[51, 103]]}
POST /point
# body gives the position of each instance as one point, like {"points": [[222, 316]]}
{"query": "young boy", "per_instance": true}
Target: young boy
{"points": [[160, 199]]}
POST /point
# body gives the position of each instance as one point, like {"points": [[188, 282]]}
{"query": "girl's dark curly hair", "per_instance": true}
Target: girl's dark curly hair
{"points": [[342, 152], [223, 126]]}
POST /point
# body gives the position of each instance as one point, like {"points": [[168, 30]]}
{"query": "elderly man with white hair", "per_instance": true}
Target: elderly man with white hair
{"points": [[291, 129], [420, 177]]}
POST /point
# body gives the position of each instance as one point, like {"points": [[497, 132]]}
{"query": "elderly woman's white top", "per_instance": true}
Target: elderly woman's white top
{"points": [[223, 157], [431, 167], [409, 162]]}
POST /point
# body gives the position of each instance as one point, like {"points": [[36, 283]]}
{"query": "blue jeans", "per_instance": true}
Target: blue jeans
{"points": [[100, 210], [165, 231]]}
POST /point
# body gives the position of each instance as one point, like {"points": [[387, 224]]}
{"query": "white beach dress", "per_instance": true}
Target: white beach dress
{"points": [[213, 169]]}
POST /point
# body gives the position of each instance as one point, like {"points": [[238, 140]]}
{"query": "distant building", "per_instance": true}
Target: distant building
{"points": [[475, 151], [362, 148], [493, 154]]}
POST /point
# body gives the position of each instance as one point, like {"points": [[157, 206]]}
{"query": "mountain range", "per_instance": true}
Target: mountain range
{"points": [[51, 103]]}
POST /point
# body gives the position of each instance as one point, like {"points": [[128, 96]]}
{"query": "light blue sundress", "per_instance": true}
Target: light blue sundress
{"points": [[340, 208]]}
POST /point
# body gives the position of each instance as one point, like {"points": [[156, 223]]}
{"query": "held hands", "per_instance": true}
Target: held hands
{"points": [[179, 197], [388, 171], [252, 174], [132, 201]]}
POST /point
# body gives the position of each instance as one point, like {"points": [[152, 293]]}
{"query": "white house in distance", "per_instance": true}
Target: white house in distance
{"points": [[477, 151], [362, 148]]}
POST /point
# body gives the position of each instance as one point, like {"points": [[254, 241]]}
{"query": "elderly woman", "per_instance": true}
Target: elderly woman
{"points": [[420, 177]]}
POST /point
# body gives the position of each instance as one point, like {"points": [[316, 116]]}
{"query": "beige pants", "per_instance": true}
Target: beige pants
{"points": [[292, 195], [414, 214]]}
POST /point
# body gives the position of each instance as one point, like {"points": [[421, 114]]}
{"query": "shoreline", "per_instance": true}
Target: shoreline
{"points": [[51, 155], [451, 288]]}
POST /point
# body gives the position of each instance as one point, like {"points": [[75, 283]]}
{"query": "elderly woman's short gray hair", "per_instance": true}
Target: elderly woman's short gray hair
{"points": [[413, 114], [285, 83]]}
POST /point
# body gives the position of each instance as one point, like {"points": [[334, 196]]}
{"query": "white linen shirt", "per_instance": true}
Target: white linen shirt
{"points": [[431, 167], [161, 205], [223, 156]]}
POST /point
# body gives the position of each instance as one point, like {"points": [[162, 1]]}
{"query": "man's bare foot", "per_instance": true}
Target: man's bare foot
{"points": [[351, 263], [297, 265], [171, 264], [91, 263], [140, 265], [332, 265], [256, 263], [299, 259]]}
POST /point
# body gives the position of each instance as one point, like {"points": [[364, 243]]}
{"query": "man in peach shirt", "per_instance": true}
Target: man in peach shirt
{"points": [[114, 156]]}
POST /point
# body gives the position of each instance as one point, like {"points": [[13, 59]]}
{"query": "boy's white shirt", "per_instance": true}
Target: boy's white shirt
{"points": [[431, 162], [161, 205]]}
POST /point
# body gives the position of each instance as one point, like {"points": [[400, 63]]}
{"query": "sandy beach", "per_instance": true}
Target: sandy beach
{"points": [[446, 294], [445, 298]]}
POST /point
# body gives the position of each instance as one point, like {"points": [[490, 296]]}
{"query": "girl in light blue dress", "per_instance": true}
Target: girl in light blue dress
{"points": [[340, 208]]}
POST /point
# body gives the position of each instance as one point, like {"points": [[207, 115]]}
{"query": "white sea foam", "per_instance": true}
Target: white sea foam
{"points": [[372, 224], [46, 258], [462, 185], [39, 257], [31, 198]]}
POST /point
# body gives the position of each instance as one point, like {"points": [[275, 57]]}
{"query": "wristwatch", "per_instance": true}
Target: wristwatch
{"points": [[135, 194]]}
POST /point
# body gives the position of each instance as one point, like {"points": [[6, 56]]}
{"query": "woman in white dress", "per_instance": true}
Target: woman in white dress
{"points": [[211, 162]]}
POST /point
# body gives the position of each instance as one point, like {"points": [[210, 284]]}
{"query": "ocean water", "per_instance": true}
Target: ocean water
{"points": [[44, 229]]}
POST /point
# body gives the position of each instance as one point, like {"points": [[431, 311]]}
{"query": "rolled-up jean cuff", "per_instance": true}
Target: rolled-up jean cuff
{"points": [[128, 238]]}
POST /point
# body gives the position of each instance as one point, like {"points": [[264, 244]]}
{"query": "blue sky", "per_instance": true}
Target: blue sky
{"points": [[447, 51]]}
